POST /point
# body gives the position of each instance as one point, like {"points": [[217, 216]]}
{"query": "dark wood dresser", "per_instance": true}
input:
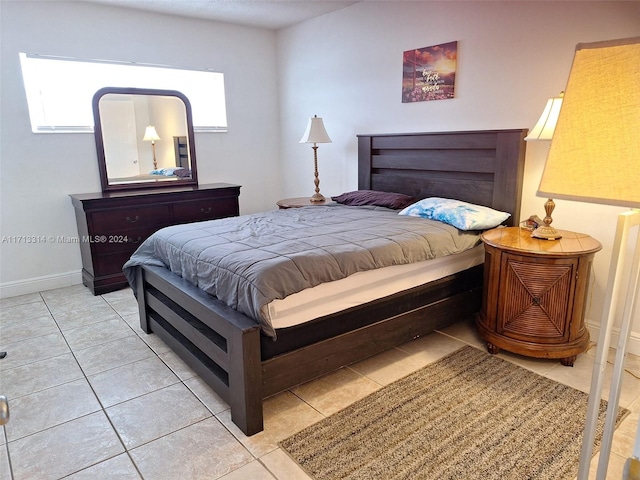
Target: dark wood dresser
{"points": [[111, 225]]}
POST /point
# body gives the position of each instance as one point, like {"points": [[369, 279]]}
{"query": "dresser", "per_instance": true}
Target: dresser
{"points": [[111, 225], [535, 293]]}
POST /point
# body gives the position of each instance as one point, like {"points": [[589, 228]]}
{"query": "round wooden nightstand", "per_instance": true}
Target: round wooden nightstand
{"points": [[301, 202], [534, 293]]}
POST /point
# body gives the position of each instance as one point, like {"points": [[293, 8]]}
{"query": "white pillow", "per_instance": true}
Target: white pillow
{"points": [[462, 215]]}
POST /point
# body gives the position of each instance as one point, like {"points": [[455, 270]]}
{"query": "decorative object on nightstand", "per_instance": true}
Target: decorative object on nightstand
{"points": [[543, 130], [594, 158], [535, 292], [315, 134], [150, 135]]}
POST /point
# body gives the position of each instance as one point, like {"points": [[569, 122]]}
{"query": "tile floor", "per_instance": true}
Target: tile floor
{"points": [[92, 396]]}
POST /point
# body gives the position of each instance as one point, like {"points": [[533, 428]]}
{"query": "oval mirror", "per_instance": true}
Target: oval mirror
{"points": [[144, 138]]}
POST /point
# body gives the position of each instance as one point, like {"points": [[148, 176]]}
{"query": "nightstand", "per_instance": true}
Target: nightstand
{"points": [[535, 293], [301, 202]]}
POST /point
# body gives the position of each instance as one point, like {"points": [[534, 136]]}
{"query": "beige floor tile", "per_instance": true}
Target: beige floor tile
{"points": [[60, 304], [466, 331], [204, 450], [432, 347], [47, 408], [335, 391], [20, 300], [5, 469], [284, 415], [389, 366], [281, 465], [132, 380], [156, 414], [122, 294], [64, 449], [254, 470], [28, 329], [120, 467], [20, 312], [177, 365], [97, 334], [36, 376], [624, 436], [155, 342], [134, 322], [66, 292], [125, 305], [206, 395], [578, 376], [80, 317], [112, 354], [32, 350]]}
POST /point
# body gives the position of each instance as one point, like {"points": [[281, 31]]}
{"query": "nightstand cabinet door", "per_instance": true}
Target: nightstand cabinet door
{"points": [[535, 298], [112, 225]]}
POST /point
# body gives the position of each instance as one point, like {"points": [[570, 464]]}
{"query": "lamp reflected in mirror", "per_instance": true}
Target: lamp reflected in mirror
{"points": [[150, 135]]}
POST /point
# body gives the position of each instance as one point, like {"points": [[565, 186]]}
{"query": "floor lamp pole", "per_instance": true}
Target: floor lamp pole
{"points": [[626, 221]]}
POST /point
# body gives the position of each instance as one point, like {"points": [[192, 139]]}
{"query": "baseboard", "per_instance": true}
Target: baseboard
{"points": [[40, 284], [634, 338]]}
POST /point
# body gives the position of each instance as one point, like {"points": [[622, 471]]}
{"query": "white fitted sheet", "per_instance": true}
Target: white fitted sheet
{"points": [[363, 287]]}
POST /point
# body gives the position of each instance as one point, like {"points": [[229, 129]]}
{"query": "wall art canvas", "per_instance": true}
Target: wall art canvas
{"points": [[429, 73]]}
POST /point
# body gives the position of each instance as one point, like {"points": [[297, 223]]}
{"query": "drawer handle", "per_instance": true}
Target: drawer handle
{"points": [[205, 210], [133, 220]]}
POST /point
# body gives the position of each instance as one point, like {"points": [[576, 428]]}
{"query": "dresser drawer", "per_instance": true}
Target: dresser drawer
{"points": [[112, 222], [123, 241], [206, 209], [110, 263]]}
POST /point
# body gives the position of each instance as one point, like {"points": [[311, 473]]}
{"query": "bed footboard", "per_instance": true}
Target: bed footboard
{"points": [[218, 343]]}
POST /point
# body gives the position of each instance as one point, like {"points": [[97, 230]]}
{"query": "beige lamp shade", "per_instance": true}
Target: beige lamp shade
{"points": [[150, 134], [315, 132], [546, 125], [595, 151]]}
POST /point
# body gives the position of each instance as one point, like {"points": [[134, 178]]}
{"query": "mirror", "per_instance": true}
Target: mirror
{"points": [[144, 138]]}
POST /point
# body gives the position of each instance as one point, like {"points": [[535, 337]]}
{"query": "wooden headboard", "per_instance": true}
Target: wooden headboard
{"points": [[481, 167]]}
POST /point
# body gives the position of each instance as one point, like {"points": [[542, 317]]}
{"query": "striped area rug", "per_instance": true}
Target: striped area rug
{"points": [[470, 415]]}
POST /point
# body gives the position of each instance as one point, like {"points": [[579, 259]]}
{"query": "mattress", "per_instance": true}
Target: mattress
{"points": [[363, 287]]}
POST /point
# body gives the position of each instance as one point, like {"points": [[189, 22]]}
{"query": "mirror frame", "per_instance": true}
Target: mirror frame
{"points": [[102, 164]]}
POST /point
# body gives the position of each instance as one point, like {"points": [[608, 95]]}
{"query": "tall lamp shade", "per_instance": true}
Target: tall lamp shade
{"points": [[150, 135], [315, 133], [595, 157]]}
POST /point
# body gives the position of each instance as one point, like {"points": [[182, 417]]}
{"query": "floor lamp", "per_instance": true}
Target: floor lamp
{"points": [[595, 157]]}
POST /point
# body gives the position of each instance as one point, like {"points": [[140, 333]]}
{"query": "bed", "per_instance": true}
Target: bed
{"points": [[230, 350]]}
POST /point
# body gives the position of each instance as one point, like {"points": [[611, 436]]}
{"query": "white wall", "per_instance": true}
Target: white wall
{"points": [[344, 66], [39, 171], [512, 56]]}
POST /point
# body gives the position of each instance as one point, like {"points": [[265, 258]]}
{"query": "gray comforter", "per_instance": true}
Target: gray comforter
{"points": [[250, 260]]}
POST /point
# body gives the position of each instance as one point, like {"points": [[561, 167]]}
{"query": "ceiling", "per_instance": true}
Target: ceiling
{"points": [[273, 14]]}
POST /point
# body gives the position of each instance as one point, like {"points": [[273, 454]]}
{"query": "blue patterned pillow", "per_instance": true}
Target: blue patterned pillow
{"points": [[462, 215]]}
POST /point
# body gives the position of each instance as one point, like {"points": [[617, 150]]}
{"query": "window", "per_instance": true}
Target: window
{"points": [[60, 90]]}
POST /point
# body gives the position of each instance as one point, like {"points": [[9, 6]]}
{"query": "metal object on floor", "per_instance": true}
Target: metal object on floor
{"points": [[4, 410]]}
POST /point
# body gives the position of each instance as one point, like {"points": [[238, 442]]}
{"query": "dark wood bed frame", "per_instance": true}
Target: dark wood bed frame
{"points": [[243, 366]]}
